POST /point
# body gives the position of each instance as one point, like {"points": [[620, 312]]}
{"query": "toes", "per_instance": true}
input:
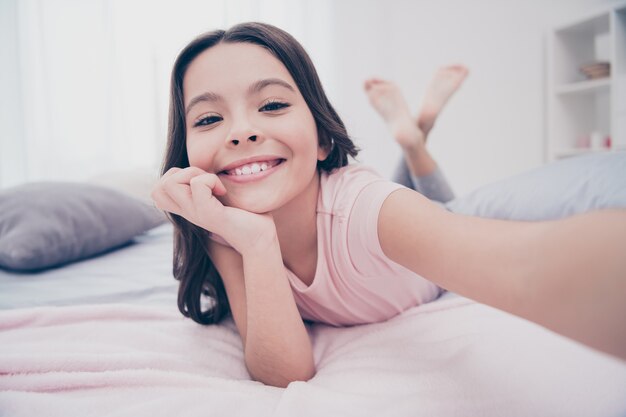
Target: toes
{"points": [[456, 69], [372, 82]]}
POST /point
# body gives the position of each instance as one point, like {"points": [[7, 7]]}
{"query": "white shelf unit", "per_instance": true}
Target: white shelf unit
{"points": [[576, 106]]}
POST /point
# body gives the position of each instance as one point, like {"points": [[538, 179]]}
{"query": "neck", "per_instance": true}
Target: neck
{"points": [[296, 224]]}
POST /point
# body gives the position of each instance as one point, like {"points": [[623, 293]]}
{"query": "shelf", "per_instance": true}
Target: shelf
{"points": [[588, 86], [577, 106], [598, 23]]}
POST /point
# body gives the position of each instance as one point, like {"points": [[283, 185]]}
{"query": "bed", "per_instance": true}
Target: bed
{"points": [[100, 334]]}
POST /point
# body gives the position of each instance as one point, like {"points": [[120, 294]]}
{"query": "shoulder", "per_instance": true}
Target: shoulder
{"points": [[351, 201], [340, 188], [345, 175]]}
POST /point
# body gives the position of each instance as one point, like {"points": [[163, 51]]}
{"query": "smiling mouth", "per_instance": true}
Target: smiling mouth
{"points": [[252, 168]]}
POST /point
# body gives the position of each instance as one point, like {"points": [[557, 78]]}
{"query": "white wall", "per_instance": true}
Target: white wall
{"points": [[85, 82], [11, 123], [494, 126], [491, 129]]}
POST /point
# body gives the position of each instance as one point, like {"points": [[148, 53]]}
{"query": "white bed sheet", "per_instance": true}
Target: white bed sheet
{"points": [[140, 272]]}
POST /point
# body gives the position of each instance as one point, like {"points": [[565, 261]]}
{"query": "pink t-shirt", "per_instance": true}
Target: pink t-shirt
{"points": [[355, 282]]}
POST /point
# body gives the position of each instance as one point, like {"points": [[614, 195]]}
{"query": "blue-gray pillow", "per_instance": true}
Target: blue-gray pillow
{"points": [[558, 189], [47, 224]]}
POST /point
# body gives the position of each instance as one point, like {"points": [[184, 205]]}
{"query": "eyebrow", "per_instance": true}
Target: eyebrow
{"points": [[208, 97], [261, 84], [254, 88]]}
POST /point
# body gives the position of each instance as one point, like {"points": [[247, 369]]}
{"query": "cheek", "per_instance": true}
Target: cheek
{"points": [[198, 154], [192, 155], [313, 135], [302, 133]]}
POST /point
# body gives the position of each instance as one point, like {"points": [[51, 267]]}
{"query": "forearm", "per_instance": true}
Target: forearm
{"points": [[567, 275], [277, 345], [577, 282]]}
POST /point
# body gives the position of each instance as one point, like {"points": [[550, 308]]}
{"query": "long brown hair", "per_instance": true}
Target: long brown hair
{"points": [[192, 266]]}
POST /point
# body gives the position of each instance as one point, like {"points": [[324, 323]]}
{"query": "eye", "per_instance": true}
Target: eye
{"points": [[207, 120], [273, 106]]}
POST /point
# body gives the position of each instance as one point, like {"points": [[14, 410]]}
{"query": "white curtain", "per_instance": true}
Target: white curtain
{"points": [[87, 80]]}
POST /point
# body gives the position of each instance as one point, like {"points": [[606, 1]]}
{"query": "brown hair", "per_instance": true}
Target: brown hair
{"points": [[192, 266]]}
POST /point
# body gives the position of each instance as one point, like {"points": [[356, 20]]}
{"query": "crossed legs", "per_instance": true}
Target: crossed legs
{"points": [[418, 170]]}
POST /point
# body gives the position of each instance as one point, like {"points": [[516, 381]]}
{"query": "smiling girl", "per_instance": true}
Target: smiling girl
{"points": [[273, 224]]}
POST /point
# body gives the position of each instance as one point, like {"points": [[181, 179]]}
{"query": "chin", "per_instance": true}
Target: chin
{"points": [[258, 206]]}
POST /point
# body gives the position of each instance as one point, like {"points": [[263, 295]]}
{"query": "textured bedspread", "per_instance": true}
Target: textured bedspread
{"points": [[452, 357], [115, 345]]}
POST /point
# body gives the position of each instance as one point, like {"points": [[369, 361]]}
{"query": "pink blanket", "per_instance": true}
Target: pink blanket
{"points": [[452, 357]]}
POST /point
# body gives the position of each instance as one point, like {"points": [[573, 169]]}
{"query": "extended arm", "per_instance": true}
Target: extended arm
{"points": [[567, 275]]}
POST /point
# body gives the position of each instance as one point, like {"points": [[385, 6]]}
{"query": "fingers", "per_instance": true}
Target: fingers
{"points": [[161, 199], [182, 176], [170, 172], [204, 182], [219, 188], [172, 191], [371, 82], [203, 191], [176, 186], [187, 192]]}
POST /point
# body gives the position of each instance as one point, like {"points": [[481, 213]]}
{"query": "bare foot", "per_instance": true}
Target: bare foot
{"points": [[443, 85], [386, 98]]}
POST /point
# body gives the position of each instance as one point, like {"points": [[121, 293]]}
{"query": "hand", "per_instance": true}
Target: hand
{"points": [[191, 193]]}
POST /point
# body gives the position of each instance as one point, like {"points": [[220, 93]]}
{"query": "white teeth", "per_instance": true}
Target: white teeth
{"points": [[253, 168]]}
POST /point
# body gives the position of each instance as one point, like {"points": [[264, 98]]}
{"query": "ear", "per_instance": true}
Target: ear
{"points": [[322, 153]]}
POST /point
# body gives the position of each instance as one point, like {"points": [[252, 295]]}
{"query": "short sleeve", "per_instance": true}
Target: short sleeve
{"points": [[363, 244]]}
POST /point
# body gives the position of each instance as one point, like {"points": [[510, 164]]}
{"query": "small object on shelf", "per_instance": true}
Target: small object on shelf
{"points": [[597, 69], [583, 142], [597, 140], [593, 141]]}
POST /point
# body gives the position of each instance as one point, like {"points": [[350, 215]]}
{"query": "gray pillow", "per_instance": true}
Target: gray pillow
{"points": [[48, 224], [556, 190]]}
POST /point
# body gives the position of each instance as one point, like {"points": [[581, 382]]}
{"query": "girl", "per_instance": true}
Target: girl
{"points": [[273, 225]]}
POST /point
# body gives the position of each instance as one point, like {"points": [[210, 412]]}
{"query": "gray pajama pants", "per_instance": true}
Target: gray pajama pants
{"points": [[433, 186]]}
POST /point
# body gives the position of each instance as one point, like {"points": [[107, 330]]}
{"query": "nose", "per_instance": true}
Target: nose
{"points": [[234, 141], [242, 132]]}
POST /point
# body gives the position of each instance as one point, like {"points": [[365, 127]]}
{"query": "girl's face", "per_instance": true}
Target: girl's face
{"points": [[248, 123]]}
